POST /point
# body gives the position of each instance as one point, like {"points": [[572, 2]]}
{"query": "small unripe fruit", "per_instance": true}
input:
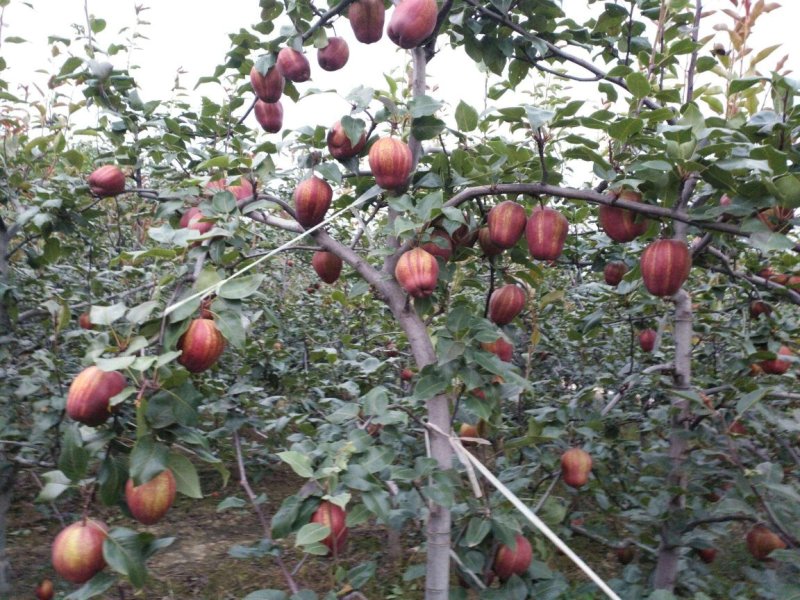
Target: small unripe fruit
{"points": [[107, 180], [267, 87], [506, 223], [647, 340], [201, 345], [44, 591], [335, 518], [576, 464], [150, 501], [417, 272], [77, 551], [293, 65], [333, 56], [312, 199], [412, 22], [89, 395], [390, 162], [327, 265]]}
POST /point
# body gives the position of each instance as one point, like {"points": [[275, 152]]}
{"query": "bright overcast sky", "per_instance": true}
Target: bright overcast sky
{"points": [[184, 34]]}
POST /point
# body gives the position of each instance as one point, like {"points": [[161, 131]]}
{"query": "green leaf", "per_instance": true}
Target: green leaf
{"points": [[117, 363], [94, 587], [423, 106], [300, 463], [55, 484], [187, 481], [311, 533], [147, 459], [267, 595], [740, 85], [426, 128], [623, 129], [477, 530], [112, 477], [466, 117], [353, 129], [241, 287], [638, 85], [106, 315], [124, 553], [748, 401], [538, 117], [230, 325], [74, 458]]}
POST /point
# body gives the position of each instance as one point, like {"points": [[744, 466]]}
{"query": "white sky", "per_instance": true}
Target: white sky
{"points": [[186, 34]]}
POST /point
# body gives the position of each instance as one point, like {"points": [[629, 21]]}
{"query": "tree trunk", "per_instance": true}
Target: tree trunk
{"points": [[666, 573]]}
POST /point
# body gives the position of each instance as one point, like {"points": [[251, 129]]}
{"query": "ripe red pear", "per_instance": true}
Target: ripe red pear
{"points": [[777, 366], [625, 554], [501, 348], [620, 224], [513, 561], [441, 245], [366, 19], [576, 464], [761, 541], [196, 220], [327, 265], [333, 56], [506, 224], [77, 551], [85, 321], [665, 266], [647, 340], [614, 272], [506, 303], [546, 232], [334, 517], [269, 115], [463, 237], [707, 555], [45, 591], [406, 374], [150, 501], [312, 199], [417, 272], [412, 22], [340, 146], [202, 345], [293, 65], [268, 87], [89, 395], [758, 308], [243, 191], [485, 242], [390, 161], [107, 180]]}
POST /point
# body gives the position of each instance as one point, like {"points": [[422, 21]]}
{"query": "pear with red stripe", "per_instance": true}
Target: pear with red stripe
{"points": [[77, 551], [390, 162], [327, 265], [620, 224], [417, 272], [506, 303], [501, 348], [665, 266], [614, 272], [107, 180], [268, 87], [546, 233], [513, 560], [202, 345], [506, 223], [488, 247], [150, 501], [89, 395], [441, 245], [312, 199]]}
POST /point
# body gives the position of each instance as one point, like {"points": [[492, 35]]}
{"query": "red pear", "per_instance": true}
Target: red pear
{"points": [[665, 266], [441, 245], [761, 541], [340, 146], [107, 180], [195, 219], [333, 56], [412, 22], [506, 224], [334, 517], [44, 591], [269, 115], [243, 191], [576, 464], [267, 87], [390, 161], [293, 65], [625, 554], [327, 265], [312, 199], [758, 308], [417, 272], [77, 551], [707, 555], [500, 348], [546, 233], [776, 366], [620, 224], [513, 561], [485, 242], [506, 303], [406, 374], [85, 321], [202, 345], [150, 501], [89, 395], [464, 238], [614, 272], [366, 19], [647, 340]]}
